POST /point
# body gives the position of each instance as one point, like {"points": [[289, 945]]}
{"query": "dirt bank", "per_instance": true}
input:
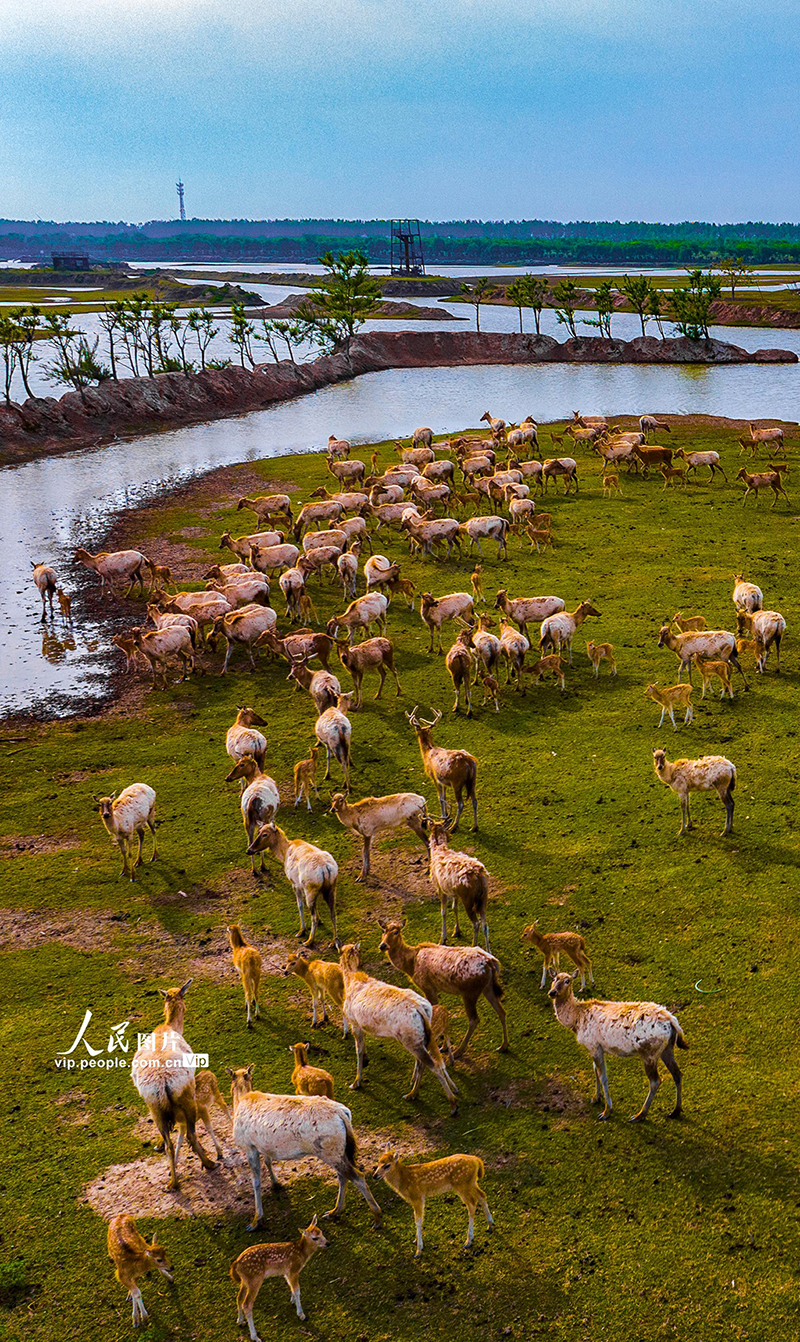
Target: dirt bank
{"points": [[43, 425]]}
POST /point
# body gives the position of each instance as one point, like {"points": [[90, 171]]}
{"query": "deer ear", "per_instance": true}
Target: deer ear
{"points": [[552, 973], [314, 1219], [576, 973], [231, 1071], [182, 991], [249, 1070]]}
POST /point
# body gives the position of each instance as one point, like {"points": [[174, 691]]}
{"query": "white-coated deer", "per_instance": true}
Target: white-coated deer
{"points": [[380, 1009], [288, 1127]]}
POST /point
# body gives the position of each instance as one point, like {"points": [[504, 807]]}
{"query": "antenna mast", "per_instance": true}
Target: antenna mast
{"points": [[179, 186]]}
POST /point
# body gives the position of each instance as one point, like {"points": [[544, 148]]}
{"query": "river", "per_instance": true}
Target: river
{"points": [[52, 505]]}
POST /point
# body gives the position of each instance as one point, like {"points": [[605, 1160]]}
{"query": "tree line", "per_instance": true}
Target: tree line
{"points": [[560, 249], [687, 306]]}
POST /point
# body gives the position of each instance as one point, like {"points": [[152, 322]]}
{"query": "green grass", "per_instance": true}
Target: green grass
{"points": [[607, 1231]]}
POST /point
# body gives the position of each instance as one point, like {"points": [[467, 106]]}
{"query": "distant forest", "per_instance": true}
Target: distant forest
{"points": [[471, 242]]}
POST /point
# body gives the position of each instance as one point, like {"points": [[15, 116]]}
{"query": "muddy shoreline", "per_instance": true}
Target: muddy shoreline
{"points": [[43, 426]]}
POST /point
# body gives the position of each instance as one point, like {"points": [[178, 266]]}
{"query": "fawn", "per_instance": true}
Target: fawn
{"points": [[309, 1080], [247, 961], [597, 652], [551, 945], [305, 777], [457, 1174], [273, 1260], [133, 1257]]}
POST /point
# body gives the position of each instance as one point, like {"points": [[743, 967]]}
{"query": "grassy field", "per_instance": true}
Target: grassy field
{"points": [[603, 1231]]}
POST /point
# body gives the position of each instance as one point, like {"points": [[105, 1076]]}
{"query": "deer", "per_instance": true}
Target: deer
{"points": [[288, 1127], [309, 1080], [250, 1269], [553, 944], [457, 1174], [374, 654], [461, 663], [380, 1009], [378, 815], [133, 1257], [712, 773], [455, 769], [468, 972], [305, 777], [626, 1030], [247, 963], [163, 1071]]}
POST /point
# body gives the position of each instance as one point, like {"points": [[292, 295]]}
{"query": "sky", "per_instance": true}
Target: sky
{"points": [[441, 109]]}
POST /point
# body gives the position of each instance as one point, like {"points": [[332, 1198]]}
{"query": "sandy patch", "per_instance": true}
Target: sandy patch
{"points": [[141, 1186], [22, 929], [36, 845]]}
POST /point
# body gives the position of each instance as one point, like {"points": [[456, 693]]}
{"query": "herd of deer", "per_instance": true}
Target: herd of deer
{"points": [[235, 609]]}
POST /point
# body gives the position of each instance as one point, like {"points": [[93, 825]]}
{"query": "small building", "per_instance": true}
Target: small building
{"points": [[71, 261]]}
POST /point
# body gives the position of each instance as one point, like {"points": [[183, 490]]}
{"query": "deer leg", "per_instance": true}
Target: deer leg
{"points": [[470, 1202], [668, 1059], [602, 1080], [416, 1081], [139, 1312], [358, 1036], [254, 1161], [443, 900], [472, 1019], [366, 842], [651, 1070], [360, 1182], [301, 910], [314, 921], [500, 1011], [727, 801]]}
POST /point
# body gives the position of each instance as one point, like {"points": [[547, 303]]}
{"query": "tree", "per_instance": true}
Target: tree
{"points": [[290, 333], [75, 364], [158, 320], [655, 309], [479, 292], [691, 304], [536, 291], [112, 320], [604, 305], [180, 331], [201, 323], [735, 272], [8, 353], [26, 329], [241, 334], [516, 292], [340, 303], [566, 296], [638, 290]]}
